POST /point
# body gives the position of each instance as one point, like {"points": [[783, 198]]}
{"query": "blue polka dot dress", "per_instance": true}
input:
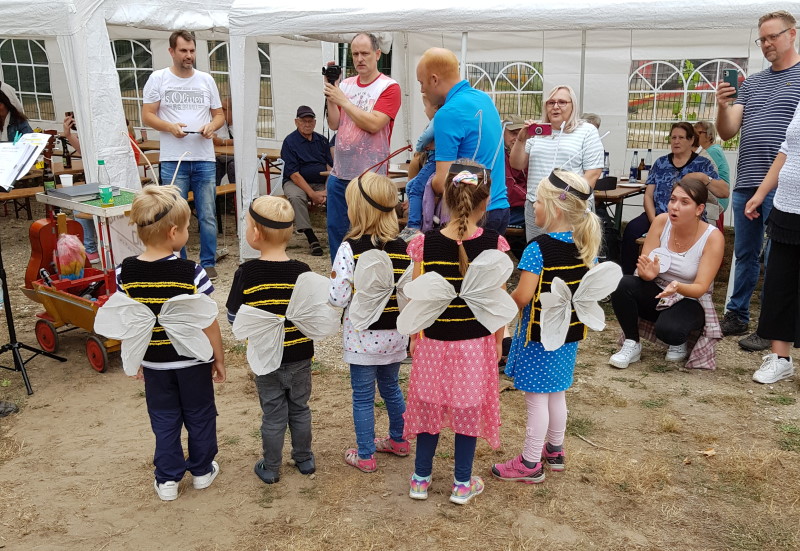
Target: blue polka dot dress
{"points": [[533, 368]]}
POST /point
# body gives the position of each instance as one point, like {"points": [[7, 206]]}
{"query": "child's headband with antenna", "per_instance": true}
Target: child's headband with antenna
{"points": [[266, 222], [561, 184]]}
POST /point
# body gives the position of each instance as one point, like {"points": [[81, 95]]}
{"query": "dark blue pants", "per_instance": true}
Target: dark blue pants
{"points": [[464, 455], [178, 398], [496, 220]]}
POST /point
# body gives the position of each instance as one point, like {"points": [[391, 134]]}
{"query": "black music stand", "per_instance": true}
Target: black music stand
{"points": [[13, 345]]}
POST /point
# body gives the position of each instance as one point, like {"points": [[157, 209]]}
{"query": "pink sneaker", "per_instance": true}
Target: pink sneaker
{"points": [[387, 445], [515, 470], [364, 465], [463, 493], [555, 460]]}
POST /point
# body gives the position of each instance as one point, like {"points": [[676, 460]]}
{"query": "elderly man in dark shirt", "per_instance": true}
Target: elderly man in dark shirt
{"points": [[307, 162]]}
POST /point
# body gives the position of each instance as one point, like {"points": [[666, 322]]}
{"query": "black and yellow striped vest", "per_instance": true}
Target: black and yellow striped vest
{"points": [[560, 259], [440, 254], [400, 260], [268, 285], [152, 284]]}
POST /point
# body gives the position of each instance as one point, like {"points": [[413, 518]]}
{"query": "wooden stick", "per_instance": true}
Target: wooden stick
{"points": [[595, 445]]}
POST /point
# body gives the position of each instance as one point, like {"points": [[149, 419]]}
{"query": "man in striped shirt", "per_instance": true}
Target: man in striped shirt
{"points": [[762, 110]]}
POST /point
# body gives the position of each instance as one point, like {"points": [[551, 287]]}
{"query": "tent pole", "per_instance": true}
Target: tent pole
{"points": [[463, 70], [583, 70]]}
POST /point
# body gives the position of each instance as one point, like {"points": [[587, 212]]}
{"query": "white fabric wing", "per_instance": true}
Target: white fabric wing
{"points": [[373, 281], [309, 308], [404, 280], [184, 317], [556, 313], [598, 283], [264, 333], [429, 296], [131, 322], [483, 291]]}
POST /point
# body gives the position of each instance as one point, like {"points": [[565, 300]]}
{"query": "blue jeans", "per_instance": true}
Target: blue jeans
{"points": [[89, 235], [497, 220], [177, 398], [747, 244], [362, 379], [464, 455], [338, 223], [198, 177], [415, 189]]}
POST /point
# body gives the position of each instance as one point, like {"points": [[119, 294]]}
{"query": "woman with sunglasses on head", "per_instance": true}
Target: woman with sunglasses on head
{"points": [[666, 171], [573, 145], [673, 284]]}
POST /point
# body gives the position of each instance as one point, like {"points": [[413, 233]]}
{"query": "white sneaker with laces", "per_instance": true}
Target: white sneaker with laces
{"points": [[204, 481], [630, 352], [167, 491], [677, 353], [773, 370]]}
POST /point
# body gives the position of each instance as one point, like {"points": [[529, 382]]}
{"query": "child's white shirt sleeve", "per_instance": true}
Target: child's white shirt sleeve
{"points": [[341, 289]]}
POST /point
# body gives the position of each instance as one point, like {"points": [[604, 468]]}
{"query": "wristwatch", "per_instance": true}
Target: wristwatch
{"points": [[710, 179]]}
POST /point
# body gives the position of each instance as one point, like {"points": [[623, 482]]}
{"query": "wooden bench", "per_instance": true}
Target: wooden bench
{"points": [[21, 199]]}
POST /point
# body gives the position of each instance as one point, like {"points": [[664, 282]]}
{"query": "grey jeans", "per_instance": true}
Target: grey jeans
{"points": [[299, 200], [284, 395]]}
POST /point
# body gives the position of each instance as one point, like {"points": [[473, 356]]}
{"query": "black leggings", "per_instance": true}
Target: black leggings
{"points": [[636, 298]]}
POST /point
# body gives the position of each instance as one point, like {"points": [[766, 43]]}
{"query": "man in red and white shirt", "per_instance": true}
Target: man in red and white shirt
{"points": [[362, 108]]}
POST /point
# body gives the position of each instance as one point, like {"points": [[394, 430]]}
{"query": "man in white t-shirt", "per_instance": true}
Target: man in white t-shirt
{"points": [[183, 104]]}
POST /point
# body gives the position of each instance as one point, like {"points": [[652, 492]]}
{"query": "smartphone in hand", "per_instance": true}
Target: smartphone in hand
{"points": [[540, 129], [731, 77]]}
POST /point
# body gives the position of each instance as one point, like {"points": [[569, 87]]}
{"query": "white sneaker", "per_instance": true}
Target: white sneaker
{"points": [[773, 370], [201, 482], [631, 352], [677, 353], [167, 491]]}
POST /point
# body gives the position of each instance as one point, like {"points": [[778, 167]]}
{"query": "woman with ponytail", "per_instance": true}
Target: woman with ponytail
{"points": [[454, 379], [542, 369]]}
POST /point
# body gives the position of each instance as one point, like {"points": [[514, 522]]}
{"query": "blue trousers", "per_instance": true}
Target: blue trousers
{"points": [[198, 177], [89, 235], [497, 220], [338, 223], [177, 398], [415, 189], [362, 379], [464, 455], [747, 244]]}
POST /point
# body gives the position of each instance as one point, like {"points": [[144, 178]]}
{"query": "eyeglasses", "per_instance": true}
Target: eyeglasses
{"points": [[562, 103], [771, 38]]}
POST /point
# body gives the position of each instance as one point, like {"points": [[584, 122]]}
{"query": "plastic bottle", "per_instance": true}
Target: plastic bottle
{"points": [[104, 181], [648, 161], [634, 174], [606, 165]]}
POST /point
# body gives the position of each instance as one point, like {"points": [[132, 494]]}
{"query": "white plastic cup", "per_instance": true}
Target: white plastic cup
{"points": [[66, 180]]}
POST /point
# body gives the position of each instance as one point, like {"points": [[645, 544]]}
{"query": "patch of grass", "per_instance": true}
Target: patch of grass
{"points": [[670, 425], [139, 394], [654, 403], [238, 348], [268, 495], [790, 441], [760, 534], [684, 390], [444, 455], [380, 404], [255, 433], [661, 368], [741, 370], [319, 367], [579, 425], [624, 379], [232, 439], [5, 382], [780, 399]]}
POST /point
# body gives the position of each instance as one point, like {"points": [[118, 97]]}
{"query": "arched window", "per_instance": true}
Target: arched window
{"points": [[265, 127], [664, 92], [219, 67], [24, 66], [134, 62], [515, 86]]}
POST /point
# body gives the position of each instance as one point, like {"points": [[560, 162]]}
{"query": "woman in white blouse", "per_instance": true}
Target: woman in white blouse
{"points": [[574, 145]]}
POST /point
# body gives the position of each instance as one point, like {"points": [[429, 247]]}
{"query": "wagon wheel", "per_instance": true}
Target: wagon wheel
{"points": [[46, 335], [97, 354]]}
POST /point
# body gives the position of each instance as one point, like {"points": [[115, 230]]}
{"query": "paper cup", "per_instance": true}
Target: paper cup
{"points": [[66, 180], [106, 197]]}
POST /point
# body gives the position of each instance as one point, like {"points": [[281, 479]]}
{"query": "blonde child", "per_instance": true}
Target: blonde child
{"points": [[566, 250], [454, 379], [178, 388], [266, 283], [372, 345]]}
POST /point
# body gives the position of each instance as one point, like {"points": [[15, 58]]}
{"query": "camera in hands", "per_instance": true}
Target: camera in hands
{"points": [[332, 73]]}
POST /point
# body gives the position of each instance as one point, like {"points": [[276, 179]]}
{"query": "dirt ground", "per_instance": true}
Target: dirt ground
{"points": [[658, 458]]}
